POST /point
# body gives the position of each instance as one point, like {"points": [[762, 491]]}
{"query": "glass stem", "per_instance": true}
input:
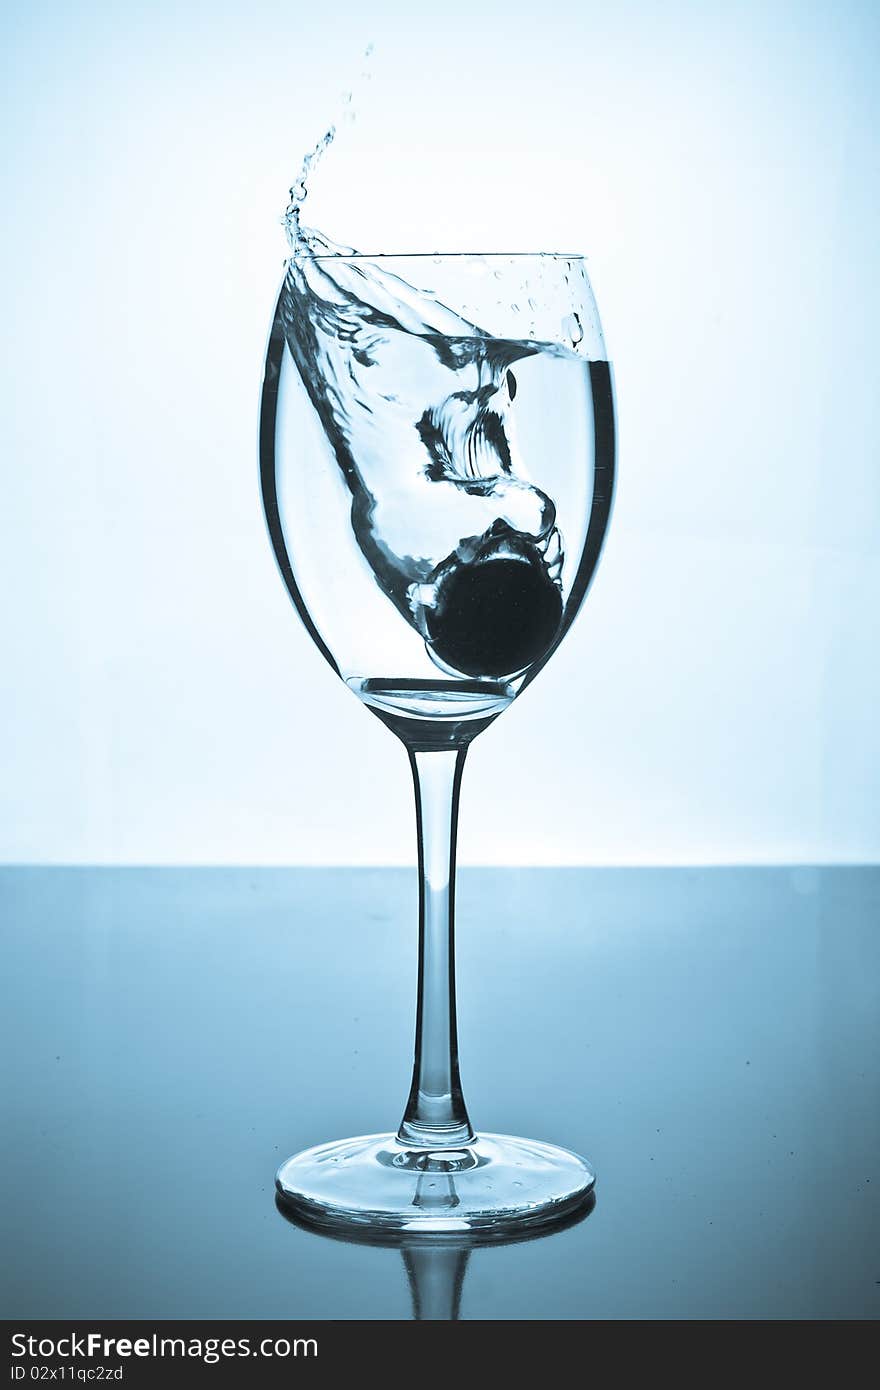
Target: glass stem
{"points": [[435, 1115]]}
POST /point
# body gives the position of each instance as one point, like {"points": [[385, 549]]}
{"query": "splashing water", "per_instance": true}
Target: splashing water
{"points": [[299, 190], [298, 238], [415, 403]]}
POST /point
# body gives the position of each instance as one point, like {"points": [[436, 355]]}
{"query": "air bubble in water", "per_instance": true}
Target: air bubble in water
{"points": [[573, 329]]}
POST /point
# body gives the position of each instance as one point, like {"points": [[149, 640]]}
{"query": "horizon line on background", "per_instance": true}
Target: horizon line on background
{"points": [[275, 866]]}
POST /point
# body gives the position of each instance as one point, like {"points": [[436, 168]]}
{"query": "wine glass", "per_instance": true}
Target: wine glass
{"points": [[437, 447]]}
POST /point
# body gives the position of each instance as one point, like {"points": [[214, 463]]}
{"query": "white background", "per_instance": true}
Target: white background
{"points": [[717, 699]]}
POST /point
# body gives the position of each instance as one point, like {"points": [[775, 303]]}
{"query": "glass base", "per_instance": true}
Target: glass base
{"points": [[496, 1185]]}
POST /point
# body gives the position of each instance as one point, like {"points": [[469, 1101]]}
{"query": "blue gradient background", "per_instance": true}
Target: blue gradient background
{"points": [[717, 700]]}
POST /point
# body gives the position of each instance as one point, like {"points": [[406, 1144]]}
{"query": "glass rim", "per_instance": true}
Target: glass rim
{"points": [[448, 255]]}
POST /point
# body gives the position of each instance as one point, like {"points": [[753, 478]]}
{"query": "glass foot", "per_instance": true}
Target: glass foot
{"points": [[496, 1185]]}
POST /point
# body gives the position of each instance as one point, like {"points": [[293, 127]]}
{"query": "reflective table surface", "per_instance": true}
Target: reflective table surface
{"points": [[708, 1038]]}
